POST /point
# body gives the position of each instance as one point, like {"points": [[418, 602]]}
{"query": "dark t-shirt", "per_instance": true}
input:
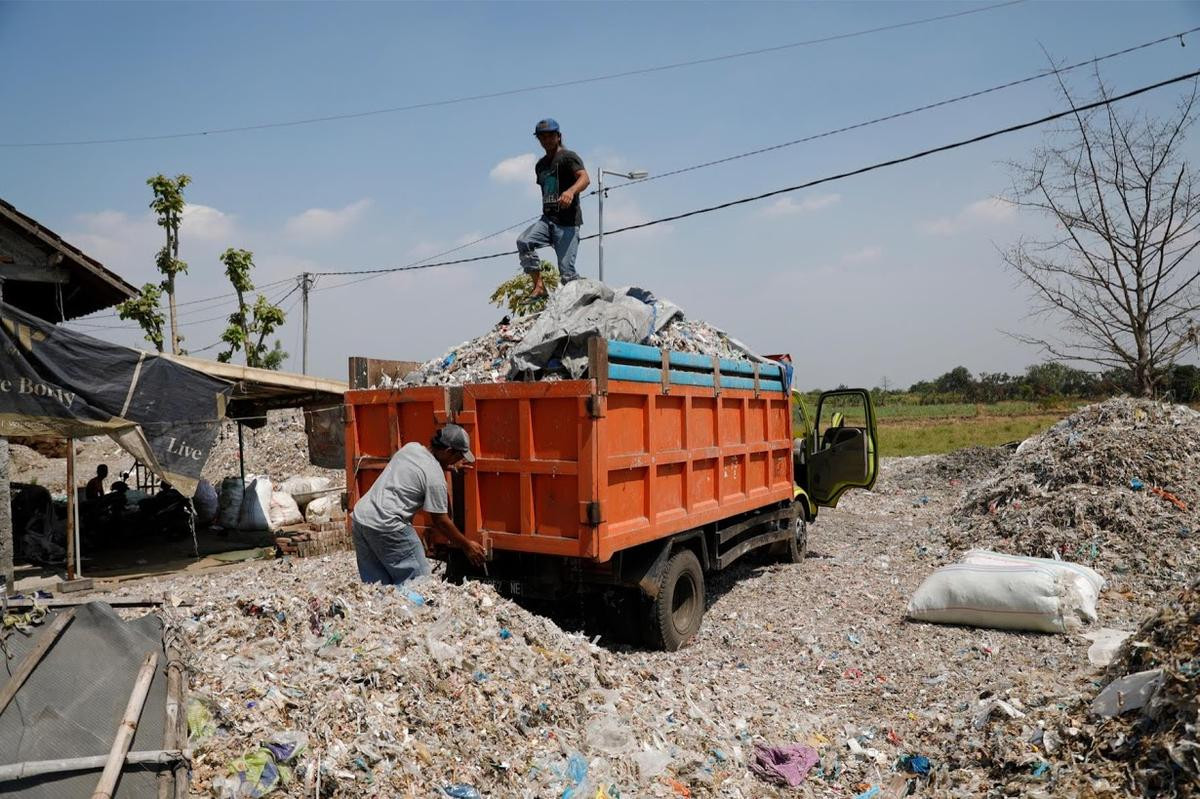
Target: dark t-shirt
{"points": [[556, 174]]}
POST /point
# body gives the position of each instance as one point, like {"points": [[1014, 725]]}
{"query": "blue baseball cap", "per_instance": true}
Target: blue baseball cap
{"points": [[546, 126]]}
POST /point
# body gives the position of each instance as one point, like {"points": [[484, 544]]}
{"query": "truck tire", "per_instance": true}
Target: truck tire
{"points": [[795, 548], [798, 544], [676, 613]]}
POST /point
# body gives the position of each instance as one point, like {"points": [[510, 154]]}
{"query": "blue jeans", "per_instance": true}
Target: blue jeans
{"points": [[389, 556], [544, 233]]}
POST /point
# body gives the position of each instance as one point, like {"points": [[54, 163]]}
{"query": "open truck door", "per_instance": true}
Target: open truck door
{"points": [[843, 451]]}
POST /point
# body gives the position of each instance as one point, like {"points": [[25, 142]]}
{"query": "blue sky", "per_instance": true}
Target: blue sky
{"points": [[891, 274]]}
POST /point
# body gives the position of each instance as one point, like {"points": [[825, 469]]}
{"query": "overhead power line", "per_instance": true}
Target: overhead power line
{"points": [[809, 184], [899, 114], [227, 296], [844, 129], [522, 90]]}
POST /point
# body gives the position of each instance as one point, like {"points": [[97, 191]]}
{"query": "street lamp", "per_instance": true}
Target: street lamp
{"points": [[637, 174]]}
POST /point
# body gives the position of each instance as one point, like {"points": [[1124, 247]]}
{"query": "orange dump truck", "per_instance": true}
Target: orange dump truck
{"points": [[631, 484]]}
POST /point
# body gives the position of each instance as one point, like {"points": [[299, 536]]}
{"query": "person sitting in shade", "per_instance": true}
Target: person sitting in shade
{"points": [[95, 486], [386, 546]]}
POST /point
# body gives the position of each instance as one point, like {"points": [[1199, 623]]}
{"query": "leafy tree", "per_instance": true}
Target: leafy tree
{"points": [[250, 326], [1119, 274], [145, 309], [514, 293], [168, 205], [957, 381]]}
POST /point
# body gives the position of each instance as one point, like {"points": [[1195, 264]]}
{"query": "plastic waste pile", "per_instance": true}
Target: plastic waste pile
{"points": [[428, 688], [550, 344], [1117, 484], [1133, 733]]}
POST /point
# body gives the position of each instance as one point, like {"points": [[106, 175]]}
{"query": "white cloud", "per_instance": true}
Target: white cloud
{"points": [[518, 169], [325, 223], [206, 223], [862, 256], [788, 206], [981, 213]]}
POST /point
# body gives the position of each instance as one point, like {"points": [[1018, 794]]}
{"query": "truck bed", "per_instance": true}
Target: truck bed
{"points": [[654, 444]]}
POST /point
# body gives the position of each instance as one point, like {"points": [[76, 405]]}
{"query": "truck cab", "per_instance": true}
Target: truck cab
{"points": [[837, 450]]}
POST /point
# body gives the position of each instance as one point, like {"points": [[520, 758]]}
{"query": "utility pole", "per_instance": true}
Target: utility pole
{"points": [[306, 281]]}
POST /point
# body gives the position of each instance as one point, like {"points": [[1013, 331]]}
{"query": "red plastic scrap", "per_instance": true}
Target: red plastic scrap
{"points": [[1169, 497]]}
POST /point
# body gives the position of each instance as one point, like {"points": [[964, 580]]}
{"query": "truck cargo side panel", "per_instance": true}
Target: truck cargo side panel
{"points": [[671, 462], [379, 422], [533, 477]]}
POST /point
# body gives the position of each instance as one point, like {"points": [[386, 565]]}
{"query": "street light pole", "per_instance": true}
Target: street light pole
{"points": [[637, 174], [600, 232]]}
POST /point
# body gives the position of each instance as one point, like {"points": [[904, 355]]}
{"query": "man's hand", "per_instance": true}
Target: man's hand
{"points": [[566, 198], [476, 554]]}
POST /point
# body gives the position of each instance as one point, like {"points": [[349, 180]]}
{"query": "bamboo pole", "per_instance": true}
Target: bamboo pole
{"points": [[35, 768], [44, 641], [126, 729], [171, 727]]}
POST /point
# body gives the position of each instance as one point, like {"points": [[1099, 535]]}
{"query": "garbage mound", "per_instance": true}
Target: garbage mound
{"points": [[956, 468], [379, 691], [1092, 745], [552, 344], [1158, 746], [1117, 483]]}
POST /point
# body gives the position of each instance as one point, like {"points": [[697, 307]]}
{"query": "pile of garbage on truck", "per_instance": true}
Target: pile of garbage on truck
{"points": [[551, 344], [1116, 484]]}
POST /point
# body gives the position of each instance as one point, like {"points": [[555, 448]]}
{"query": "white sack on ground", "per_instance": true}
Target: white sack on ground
{"points": [[1017, 597], [1088, 582]]}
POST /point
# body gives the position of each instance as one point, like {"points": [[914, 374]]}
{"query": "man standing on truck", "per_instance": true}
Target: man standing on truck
{"points": [[385, 543], [561, 176]]}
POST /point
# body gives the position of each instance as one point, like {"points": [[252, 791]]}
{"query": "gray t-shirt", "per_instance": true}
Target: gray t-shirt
{"points": [[412, 481]]}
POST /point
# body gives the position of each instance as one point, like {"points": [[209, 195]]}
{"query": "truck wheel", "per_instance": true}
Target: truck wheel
{"points": [[795, 548], [677, 611]]}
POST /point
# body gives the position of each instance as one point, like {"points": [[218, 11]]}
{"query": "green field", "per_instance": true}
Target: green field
{"points": [[928, 429]]}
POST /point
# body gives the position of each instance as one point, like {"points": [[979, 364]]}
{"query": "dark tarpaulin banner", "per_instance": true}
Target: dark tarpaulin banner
{"points": [[58, 382]]}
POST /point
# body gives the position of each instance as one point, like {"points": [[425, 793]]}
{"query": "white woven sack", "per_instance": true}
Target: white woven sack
{"points": [[1016, 597], [1088, 582], [284, 510]]}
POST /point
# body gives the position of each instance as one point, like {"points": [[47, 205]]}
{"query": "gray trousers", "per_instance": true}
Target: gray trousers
{"points": [[544, 233], [389, 556]]}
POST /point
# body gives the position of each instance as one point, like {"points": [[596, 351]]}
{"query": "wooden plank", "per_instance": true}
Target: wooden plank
{"points": [[45, 640], [30, 273], [365, 373]]}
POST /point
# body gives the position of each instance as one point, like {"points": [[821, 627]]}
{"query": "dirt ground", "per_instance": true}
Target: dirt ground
{"points": [[816, 653]]}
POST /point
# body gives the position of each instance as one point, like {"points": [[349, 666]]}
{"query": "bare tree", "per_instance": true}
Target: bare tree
{"points": [[1120, 272]]}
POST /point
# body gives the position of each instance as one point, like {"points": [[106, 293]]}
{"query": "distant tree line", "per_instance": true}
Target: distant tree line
{"points": [[1044, 381]]}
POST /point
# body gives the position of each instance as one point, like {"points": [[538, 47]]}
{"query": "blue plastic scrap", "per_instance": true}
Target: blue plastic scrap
{"points": [[462, 791], [1041, 768], [505, 634], [1136, 484], [869, 793], [916, 764]]}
